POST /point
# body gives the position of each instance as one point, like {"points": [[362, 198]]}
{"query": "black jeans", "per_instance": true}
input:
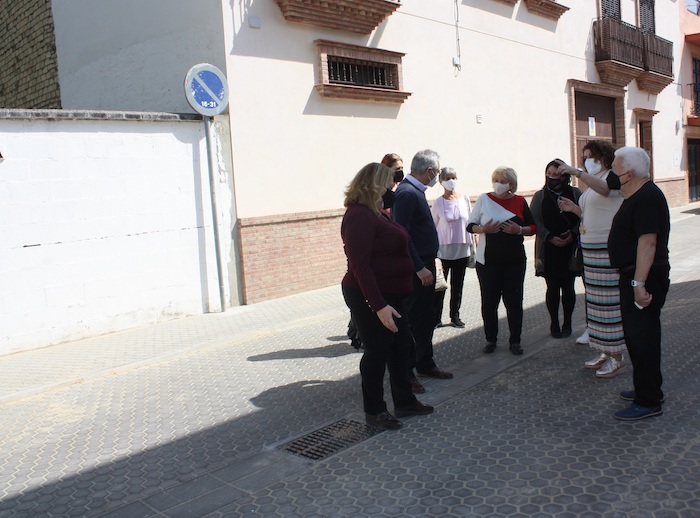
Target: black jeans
{"points": [[458, 269], [560, 288], [496, 281], [642, 328], [382, 349], [422, 321]]}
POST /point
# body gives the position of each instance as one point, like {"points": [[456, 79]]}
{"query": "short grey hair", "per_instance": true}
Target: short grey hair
{"points": [[447, 171], [634, 159], [510, 175], [423, 160]]}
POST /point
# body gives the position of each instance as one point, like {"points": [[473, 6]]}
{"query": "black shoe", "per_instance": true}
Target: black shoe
{"points": [[566, 330], [416, 386], [630, 395], [383, 421], [516, 349], [439, 325], [457, 322], [436, 373], [417, 409], [555, 331], [490, 347], [636, 412]]}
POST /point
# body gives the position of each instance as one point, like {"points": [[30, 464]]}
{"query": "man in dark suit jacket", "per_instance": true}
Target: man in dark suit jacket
{"points": [[411, 211]]}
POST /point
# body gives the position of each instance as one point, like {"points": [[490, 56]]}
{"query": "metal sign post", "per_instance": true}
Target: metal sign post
{"points": [[206, 90]]}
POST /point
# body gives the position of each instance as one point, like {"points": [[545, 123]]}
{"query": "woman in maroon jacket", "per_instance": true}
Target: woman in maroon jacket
{"points": [[375, 288]]}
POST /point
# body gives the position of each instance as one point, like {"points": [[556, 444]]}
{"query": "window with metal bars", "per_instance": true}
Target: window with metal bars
{"points": [[345, 71], [646, 16], [610, 9]]}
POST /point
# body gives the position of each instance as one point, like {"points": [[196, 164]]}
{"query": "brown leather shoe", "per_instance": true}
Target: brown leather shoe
{"points": [[436, 373], [417, 409], [383, 421], [416, 386]]}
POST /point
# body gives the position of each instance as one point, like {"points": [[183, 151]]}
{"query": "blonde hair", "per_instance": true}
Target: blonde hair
{"points": [[368, 186], [509, 174]]}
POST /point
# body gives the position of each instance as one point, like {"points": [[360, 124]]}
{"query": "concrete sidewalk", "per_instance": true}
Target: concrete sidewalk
{"points": [[192, 417]]}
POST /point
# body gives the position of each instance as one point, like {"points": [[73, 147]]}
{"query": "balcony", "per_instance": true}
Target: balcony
{"points": [[619, 51], [658, 64], [623, 53], [360, 16]]}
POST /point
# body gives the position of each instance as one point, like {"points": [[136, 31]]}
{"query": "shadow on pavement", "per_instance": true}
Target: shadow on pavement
{"points": [[169, 478]]}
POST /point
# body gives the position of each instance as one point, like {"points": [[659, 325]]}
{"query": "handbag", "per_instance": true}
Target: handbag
{"points": [[576, 260], [471, 260], [440, 282]]}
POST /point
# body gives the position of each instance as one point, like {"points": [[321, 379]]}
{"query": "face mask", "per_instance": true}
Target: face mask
{"points": [[433, 181], [554, 184], [388, 199], [501, 188], [450, 185], [613, 181], [398, 175], [592, 166]]}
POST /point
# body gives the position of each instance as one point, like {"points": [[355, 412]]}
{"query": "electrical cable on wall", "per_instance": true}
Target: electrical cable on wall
{"points": [[457, 61]]}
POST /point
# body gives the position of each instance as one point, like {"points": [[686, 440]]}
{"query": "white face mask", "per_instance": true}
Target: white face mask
{"points": [[433, 181], [450, 185], [592, 166], [500, 188]]}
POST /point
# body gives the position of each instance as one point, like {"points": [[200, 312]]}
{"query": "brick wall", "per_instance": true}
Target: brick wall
{"points": [[292, 253], [28, 63], [675, 189]]}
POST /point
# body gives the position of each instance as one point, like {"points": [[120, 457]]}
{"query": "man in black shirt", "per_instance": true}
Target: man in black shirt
{"points": [[638, 247]]}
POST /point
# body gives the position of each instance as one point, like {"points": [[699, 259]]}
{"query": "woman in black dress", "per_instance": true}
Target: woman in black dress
{"points": [[557, 235]]}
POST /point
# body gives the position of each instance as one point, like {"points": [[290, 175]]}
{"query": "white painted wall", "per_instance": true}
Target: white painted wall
{"points": [[133, 54], [104, 225]]}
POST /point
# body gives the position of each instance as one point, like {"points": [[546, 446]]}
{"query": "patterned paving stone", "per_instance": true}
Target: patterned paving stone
{"points": [[185, 418]]}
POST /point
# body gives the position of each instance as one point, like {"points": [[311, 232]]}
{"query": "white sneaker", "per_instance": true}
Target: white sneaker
{"points": [[583, 339], [611, 368], [596, 362]]}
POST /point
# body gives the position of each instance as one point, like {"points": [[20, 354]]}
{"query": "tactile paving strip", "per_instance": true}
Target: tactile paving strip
{"points": [[331, 439]]}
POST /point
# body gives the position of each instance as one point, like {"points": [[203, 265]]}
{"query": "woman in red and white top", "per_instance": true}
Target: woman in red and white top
{"points": [[503, 218]]}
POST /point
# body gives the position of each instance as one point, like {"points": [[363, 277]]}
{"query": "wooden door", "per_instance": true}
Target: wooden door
{"points": [[693, 170], [595, 120]]}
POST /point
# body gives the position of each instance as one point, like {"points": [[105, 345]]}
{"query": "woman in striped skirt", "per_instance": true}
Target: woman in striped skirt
{"points": [[597, 207]]}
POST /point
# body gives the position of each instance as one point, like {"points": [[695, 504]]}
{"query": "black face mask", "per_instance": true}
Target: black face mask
{"points": [[388, 199], [398, 175], [613, 181], [554, 184]]}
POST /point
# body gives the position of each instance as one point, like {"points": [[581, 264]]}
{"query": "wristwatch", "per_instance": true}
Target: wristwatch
{"points": [[636, 283]]}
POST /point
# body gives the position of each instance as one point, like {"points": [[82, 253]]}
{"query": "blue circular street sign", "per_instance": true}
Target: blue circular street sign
{"points": [[206, 89]]}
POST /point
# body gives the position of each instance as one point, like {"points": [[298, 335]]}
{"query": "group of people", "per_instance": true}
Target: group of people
{"points": [[392, 238]]}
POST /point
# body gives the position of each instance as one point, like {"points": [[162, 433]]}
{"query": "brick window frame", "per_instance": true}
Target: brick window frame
{"points": [[327, 88]]}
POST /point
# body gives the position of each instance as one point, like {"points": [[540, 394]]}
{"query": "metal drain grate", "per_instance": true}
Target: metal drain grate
{"points": [[330, 439]]}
